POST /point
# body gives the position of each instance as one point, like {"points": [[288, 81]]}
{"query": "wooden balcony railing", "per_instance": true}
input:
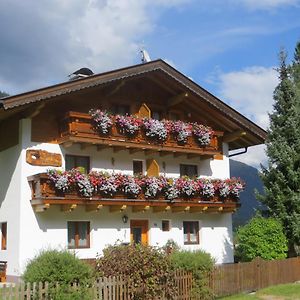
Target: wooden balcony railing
{"points": [[44, 195], [77, 127]]}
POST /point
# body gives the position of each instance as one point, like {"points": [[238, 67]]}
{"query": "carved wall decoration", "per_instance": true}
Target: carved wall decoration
{"points": [[43, 158]]}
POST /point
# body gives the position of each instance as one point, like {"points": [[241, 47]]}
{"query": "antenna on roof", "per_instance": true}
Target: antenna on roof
{"points": [[145, 56]]}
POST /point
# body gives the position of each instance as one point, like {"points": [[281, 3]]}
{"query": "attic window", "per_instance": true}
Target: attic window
{"points": [[121, 109]]}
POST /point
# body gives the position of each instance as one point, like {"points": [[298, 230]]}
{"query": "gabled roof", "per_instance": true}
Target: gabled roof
{"points": [[257, 133]]}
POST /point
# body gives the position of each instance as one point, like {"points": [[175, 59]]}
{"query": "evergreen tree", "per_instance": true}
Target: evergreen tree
{"points": [[282, 176], [3, 94]]}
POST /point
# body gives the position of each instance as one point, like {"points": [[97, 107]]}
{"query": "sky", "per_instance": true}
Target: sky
{"points": [[229, 47]]}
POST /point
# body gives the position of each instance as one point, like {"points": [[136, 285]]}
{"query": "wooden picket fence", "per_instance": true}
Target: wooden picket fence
{"points": [[230, 279], [225, 280], [105, 288]]}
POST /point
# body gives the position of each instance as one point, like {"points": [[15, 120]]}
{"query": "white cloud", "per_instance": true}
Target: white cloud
{"points": [[250, 91], [48, 40]]}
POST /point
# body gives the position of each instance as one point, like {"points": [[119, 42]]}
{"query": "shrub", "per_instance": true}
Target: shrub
{"points": [[263, 238], [200, 264], [63, 268], [146, 268]]}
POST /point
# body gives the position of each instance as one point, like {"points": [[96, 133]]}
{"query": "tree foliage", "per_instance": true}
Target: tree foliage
{"points": [[147, 269], [263, 238], [281, 177]]}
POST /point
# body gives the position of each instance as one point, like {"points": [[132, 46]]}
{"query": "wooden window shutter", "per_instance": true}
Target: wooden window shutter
{"points": [[152, 167], [144, 111]]}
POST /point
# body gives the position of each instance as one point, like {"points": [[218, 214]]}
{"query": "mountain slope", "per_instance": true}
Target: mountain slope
{"points": [[253, 182]]}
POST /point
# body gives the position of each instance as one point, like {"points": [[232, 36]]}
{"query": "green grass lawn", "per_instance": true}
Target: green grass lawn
{"points": [[279, 292]]}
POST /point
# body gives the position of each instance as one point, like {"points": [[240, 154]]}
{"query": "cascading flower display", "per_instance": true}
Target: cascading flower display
{"points": [[107, 185], [155, 129], [207, 188], [102, 122], [128, 125], [187, 187], [202, 133], [180, 130], [131, 187]]}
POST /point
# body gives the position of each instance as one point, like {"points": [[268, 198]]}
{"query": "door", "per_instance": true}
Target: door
{"points": [[139, 231]]}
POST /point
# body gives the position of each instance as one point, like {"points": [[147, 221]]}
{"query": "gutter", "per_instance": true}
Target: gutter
{"points": [[239, 153]]}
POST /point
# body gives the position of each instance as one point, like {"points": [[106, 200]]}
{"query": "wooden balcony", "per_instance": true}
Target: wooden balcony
{"points": [[77, 128], [44, 195]]}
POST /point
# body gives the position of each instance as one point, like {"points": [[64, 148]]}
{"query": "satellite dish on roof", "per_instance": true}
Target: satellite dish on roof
{"points": [[81, 73], [145, 56]]}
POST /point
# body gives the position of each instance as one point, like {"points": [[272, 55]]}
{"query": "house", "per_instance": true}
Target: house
{"points": [[51, 128]]}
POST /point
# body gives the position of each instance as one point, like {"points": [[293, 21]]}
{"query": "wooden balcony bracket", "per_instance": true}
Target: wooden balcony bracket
{"points": [[68, 207], [41, 207], [176, 209], [158, 209], [117, 208], [93, 207], [140, 208]]}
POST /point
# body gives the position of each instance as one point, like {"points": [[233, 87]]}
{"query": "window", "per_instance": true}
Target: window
{"points": [[165, 225], [4, 236], [137, 167], [78, 235], [74, 161], [121, 109], [188, 170], [191, 232]]}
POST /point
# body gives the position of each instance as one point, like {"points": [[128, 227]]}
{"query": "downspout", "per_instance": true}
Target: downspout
{"points": [[239, 153]]}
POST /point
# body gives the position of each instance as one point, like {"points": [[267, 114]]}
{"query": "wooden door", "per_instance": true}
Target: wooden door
{"points": [[139, 231]]}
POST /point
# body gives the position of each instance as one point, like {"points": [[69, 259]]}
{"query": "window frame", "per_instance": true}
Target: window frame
{"points": [[3, 235], [168, 225], [76, 235], [188, 165], [143, 166], [77, 157], [187, 225]]}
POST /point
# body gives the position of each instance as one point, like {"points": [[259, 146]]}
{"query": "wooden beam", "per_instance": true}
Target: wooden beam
{"points": [[140, 208], [234, 136], [93, 207], [177, 99], [157, 209], [176, 209], [41, 207], [68, 207], [117, 208]]}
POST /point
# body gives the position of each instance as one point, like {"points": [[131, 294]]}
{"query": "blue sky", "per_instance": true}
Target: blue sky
{"points": [[229, 47]]}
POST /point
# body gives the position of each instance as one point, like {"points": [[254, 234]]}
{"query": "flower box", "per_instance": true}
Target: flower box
{"points": [[79, 127]]}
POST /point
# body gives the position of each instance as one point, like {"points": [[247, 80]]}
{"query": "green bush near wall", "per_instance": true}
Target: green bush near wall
{"points": [[200, 264]]}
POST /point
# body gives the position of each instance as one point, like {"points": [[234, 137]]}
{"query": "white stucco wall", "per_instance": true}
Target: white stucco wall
{"points": [[38, 231]]}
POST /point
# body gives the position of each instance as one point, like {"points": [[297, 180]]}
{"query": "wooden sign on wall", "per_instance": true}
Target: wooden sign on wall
{"points": [[43, 158]]}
